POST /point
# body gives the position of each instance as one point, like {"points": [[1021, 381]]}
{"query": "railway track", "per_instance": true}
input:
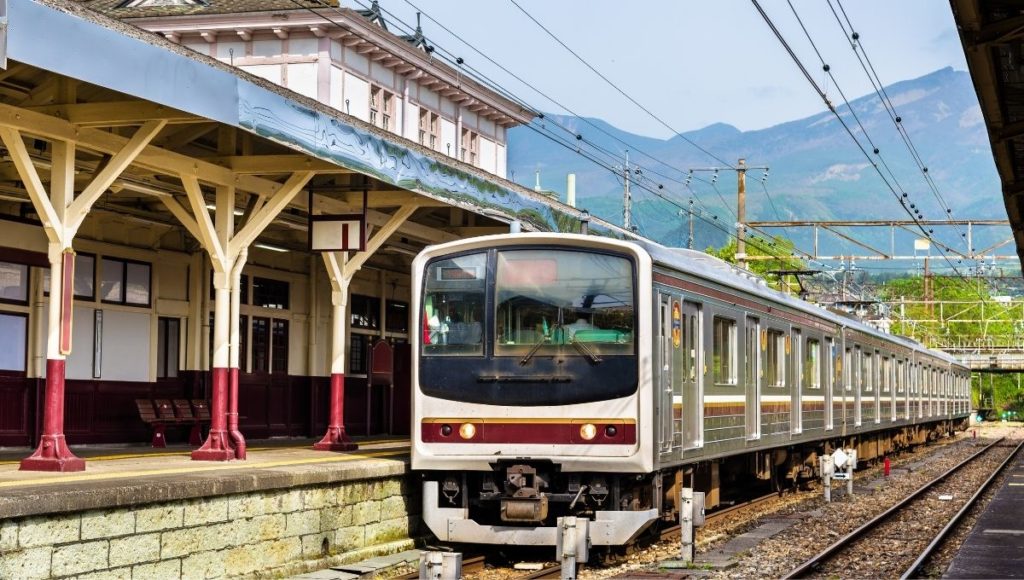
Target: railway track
{"points": [[555, 570], [902, 533]]}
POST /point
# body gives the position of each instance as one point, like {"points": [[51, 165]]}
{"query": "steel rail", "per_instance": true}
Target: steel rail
{"points": [[817, 560], [941, 536]]}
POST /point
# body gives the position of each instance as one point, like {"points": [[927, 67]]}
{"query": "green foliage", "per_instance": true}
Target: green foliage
{"points": [[967, 316], [764, 257]]}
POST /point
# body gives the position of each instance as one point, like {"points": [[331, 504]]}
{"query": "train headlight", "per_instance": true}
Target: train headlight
{"points": [[588, 431], [467, 431]]}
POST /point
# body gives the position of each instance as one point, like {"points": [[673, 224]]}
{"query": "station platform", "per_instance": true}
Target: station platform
{"points": [[141, 512], [995, 547], [123, 476]]}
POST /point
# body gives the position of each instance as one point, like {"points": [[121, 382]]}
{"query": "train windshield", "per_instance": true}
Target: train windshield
{"points": [[565, 302], [453, 306]]}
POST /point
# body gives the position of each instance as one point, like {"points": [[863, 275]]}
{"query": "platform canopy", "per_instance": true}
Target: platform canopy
{"points": [[140, 107], [992, 33]]}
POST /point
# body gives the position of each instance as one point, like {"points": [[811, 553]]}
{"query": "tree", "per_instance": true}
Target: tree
{"points": [[780, 256]]}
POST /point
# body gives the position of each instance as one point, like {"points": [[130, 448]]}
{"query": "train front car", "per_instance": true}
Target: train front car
{"points": [[532, 385]]}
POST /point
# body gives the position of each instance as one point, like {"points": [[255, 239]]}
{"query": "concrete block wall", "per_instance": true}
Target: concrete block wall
{"points": [[270, 533]]}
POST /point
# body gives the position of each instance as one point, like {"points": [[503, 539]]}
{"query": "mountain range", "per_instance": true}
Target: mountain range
{"points": [[816, 170]]}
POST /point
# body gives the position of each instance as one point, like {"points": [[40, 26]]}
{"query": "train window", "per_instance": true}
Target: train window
{"points": [[563, 302], [453, 306], [812, 365], [848, 369], [900, 377], [775, 357], [723, 351], [750, 351], [867, 372], [886, 374]]}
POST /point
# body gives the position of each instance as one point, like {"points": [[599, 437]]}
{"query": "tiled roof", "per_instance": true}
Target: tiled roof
{"points": [[113, 7]]}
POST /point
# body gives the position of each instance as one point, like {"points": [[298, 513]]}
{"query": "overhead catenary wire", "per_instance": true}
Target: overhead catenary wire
{"points": [[619, 89], [856, 43], [576, 148], [460, 63], [803, 69]]}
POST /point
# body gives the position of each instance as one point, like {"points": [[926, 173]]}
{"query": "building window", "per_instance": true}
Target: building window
{"points": [[13, 283], [812, 365], [269, 293], [382, 107], [14, 338], [125, 282], [279, 346], [396, 316], [365, 312], [470, 146], [85, 277], [260, 344], [775, 375], [724, 351], [357, 350], [429, 124], [168, 333]]}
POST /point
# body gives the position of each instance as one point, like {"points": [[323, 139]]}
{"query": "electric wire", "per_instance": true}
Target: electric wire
{"points": [[617, 88], [846, 126], [869, 70], [753, 241]]}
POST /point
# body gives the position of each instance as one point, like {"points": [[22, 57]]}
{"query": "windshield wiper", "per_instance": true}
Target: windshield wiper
{"points": [[585, 350], [543, 339]]}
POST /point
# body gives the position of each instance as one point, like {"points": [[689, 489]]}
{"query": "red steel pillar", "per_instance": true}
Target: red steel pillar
{"points": [[237, 440], [336, 439], [53, 453], [218, 444]]}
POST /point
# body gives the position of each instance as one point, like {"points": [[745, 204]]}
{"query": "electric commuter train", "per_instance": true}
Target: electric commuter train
{"points": [[560, 374]]}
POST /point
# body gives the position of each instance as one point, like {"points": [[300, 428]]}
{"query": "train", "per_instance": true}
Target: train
{"points": [[575, 375]]}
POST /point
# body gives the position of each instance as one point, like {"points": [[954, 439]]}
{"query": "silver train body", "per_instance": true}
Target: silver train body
{"points": [[697, 369]]}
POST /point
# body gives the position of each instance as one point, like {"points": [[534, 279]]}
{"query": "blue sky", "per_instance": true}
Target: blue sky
{"points": [[691, 63]]}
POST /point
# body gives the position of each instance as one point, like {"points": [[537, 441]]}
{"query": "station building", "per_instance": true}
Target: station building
{"points": [[169, 177]]}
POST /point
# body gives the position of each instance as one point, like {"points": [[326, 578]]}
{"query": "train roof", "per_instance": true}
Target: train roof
{"points": [[709, 267]]}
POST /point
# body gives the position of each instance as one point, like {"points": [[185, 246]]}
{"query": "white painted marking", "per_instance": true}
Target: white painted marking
{"points": [[1006, 532]]}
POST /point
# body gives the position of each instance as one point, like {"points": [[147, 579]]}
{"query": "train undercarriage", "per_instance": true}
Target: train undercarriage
{"points": [[521, 502]]}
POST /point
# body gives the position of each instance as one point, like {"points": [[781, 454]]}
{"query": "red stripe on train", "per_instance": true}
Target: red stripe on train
{"points": [[529, 433]]}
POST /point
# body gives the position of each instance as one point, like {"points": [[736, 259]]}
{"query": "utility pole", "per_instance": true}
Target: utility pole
{"points": [[741, 206], [627, 199], [741, 214]]}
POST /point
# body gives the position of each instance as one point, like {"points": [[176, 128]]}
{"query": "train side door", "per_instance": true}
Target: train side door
{"points": [[695, 367], [829, 376], [796, 346], [752, 376], [666, 372]]}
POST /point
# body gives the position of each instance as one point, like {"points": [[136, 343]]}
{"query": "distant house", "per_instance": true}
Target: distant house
{"points": [[347, 59]]}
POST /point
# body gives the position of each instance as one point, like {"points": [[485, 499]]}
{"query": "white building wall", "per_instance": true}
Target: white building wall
{"points": [[357, 93], [501, 167], [447, 144], [337, 98], [488, 162], [303, 45], [412, 123], [302, 78], [270, 72]]}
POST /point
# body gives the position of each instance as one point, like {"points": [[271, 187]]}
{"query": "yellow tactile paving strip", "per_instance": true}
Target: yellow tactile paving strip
{"points": [[137, 465]]}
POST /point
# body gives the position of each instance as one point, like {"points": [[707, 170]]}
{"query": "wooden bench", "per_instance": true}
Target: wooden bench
{"points": [[159, 413]]}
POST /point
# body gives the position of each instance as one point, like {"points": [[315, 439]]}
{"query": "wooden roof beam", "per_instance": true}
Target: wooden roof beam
{"points": [[116, 113]]}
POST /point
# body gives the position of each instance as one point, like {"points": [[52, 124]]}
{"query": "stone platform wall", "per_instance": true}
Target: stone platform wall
{"points": [[270, 533]]}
